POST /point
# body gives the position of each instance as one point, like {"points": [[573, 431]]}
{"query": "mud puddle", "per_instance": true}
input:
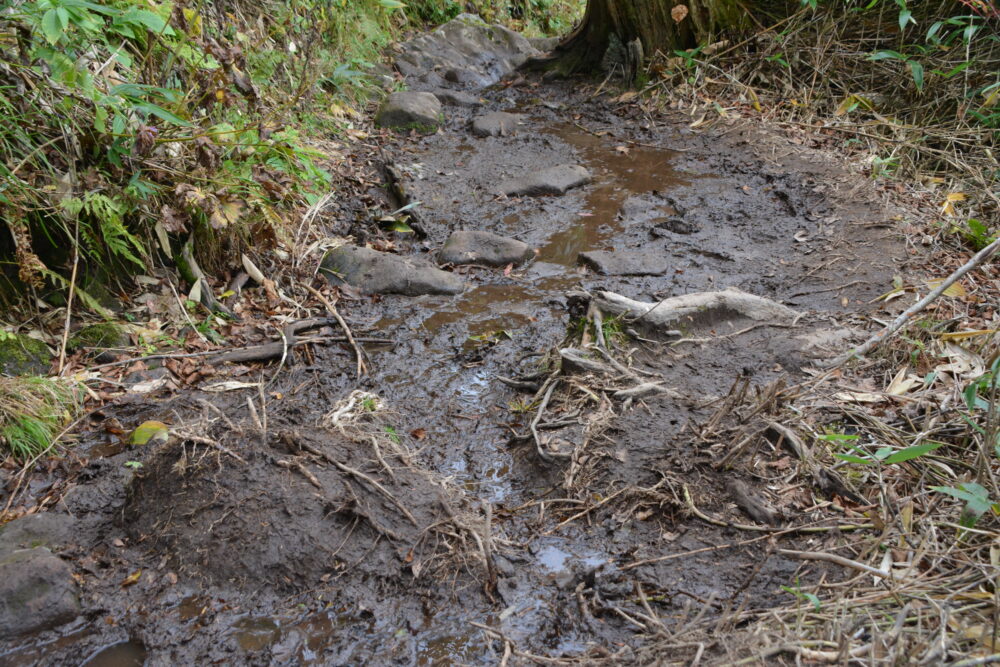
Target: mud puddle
{"points": [[256, 563]]}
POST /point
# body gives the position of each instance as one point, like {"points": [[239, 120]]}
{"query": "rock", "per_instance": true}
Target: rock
{"points": [[45, 529], [37, 592], [545, 44], [99, 339], [410, 110], [551, 181], [457, 98], [626, 263], [471, 247], [375, 272], [23, 355], [495, 124], [470, 52], [670, 226], [466, 77]]}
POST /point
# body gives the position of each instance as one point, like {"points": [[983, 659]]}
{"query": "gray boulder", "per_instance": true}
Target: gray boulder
{"points": [[469, 51], [626, 263], [495, 124], [375, 272], [45, 529], [37, 592], [551, 181], [410, 110], [471, 247], [457, 98]]}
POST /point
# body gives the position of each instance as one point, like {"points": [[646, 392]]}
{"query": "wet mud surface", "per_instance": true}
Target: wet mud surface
{"points": [[361, 541]]}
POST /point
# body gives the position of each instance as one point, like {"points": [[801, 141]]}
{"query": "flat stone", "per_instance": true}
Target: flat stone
{"points": [[472, 247], [45, 529], [410, 110], [37, 592], [375, 272], [551, 181], [457, 98], [466, 77], [495, 124], [675, 225], [626, 263]]}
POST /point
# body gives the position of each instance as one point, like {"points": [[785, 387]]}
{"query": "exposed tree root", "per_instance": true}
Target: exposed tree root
{"points": [[700, 306]]}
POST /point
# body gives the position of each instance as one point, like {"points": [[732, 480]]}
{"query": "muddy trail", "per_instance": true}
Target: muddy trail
{"points": [[535, 467]]}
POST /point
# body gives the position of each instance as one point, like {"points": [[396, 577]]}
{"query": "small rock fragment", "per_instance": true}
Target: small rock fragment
{"points": [[495, 124], [409, 110], [674, 226], [473, 247], [457, 98], [551, 181]]}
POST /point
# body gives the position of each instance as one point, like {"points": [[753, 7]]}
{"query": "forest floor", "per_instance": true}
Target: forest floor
{"points": [[503, 484]]}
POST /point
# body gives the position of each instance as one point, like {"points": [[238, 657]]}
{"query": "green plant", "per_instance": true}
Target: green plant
{"points": [[32, 412], [803, 596]]}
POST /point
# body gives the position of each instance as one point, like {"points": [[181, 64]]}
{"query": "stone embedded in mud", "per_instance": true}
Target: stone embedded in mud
{"points": [[468, 50], [457, 98], [37, 592], [626, 263], [23, 355], [44, 529], [551, 181], [375, 272], [495, 124], [410, 110], [670, 226], [473, 247]]}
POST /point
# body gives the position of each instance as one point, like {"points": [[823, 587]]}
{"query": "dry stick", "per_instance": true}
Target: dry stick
{"points": [[907, 314], [764, 529], [343, 325], [69, 299], [834, 558], [586, 511]]}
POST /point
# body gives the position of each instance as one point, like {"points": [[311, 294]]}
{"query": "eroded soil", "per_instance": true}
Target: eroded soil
{"points": [[374, 554]]}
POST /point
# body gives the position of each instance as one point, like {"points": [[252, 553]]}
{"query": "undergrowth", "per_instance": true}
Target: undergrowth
{"points": [[134, 127], [917, 85], [33, 410]]}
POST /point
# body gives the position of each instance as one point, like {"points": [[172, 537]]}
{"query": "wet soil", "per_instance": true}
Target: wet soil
{"points": [[238, 557]]}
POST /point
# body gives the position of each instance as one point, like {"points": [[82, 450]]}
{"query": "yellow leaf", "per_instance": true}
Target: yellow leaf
{"points": [[948, 206], [150, 432], [962, 335], [954, 290], [755, 102], [132, 578]]}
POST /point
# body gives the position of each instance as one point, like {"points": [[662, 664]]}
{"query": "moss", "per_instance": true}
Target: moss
{"points": [[102, 334], [21, 355]]}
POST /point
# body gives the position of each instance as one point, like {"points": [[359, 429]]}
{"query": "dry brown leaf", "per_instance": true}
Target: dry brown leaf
{"points": [[679, 13]]}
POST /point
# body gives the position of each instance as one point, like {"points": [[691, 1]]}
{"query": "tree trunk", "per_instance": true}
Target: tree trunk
{"points": [[623, 32]]}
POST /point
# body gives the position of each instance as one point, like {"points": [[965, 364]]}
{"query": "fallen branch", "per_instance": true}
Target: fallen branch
{"points": [[669, 312], [908, 314], [343, 325]]}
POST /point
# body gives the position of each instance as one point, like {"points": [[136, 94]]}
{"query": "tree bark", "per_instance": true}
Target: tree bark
{"points": [[640, 28]]}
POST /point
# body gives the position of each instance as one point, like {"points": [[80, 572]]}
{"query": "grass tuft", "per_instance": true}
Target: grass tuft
{"points": [[32, 412]]}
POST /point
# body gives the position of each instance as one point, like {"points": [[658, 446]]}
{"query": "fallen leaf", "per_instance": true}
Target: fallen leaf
{"points": [[679, 13], [149, 432], [962, 335], [948, 206], [859, 397], [230, 385], [955, 289], [132, 578], [419, 433], [622, 149]]}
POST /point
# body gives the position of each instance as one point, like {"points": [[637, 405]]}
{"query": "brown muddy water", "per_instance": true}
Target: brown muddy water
{"points": [[251, 564]]}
